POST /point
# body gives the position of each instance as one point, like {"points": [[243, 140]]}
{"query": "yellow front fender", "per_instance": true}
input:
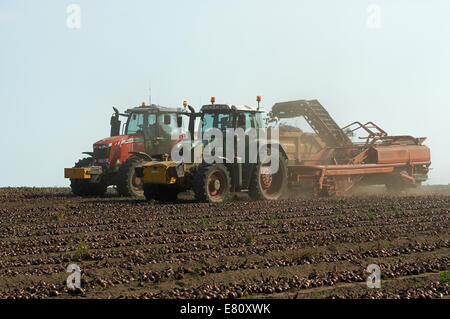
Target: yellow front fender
{"points": [[159, 172], [77, 173]]}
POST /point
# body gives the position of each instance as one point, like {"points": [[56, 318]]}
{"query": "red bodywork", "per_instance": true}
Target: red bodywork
{"points": [[337, 170], [397, 161], [120, 148]]}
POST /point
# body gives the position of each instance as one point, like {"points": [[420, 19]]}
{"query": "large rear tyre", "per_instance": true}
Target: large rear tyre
{"points": [[212, 183], [82, 187], [128, 184], [265, 185]]}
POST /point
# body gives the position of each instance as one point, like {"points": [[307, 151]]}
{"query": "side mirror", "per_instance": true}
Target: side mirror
{"points": [[167, 119], [179, 121], [115, 123]]}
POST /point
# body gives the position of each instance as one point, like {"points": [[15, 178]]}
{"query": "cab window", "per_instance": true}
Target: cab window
{"points": [[259, 120], [222, 121], [135, 124], [168, 123], [150, 130], [246, 121]]}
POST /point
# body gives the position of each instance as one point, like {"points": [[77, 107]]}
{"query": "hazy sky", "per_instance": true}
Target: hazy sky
{"points": [[57, 85]]}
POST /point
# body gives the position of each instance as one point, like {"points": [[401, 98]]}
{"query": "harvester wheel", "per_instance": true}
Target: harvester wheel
{"points": [[83, 187], [212, 183], [267, 186], [128, 184]]}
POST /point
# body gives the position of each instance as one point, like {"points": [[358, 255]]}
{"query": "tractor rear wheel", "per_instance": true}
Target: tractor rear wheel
{"points": [[128, 184], [267, 186], [82, 187], [212, 183]]}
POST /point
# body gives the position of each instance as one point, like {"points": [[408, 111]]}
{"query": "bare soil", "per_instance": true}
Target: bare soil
{"points": [[295, 248]]}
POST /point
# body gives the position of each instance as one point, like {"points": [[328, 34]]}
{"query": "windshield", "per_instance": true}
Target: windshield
{"points": [[160, 124], [222, 121], [138, 121]]}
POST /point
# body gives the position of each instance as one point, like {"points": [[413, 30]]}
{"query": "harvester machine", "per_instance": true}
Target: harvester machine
{"points": [[341, 164]]}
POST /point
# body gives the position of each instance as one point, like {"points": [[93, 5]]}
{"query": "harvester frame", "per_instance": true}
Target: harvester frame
{"points": [[395, 161]]}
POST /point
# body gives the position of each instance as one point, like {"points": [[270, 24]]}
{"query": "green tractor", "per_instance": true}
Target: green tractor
{"points": [[214, 178]]}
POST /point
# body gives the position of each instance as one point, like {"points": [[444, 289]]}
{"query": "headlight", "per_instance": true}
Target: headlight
{"points": [[100, 147]]}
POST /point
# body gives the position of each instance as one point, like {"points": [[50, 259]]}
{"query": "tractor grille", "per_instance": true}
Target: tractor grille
{"points": [[101, 154]]}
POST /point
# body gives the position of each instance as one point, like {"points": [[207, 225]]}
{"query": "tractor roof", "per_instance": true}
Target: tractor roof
{"points": [[232, 107], [154, 109]]}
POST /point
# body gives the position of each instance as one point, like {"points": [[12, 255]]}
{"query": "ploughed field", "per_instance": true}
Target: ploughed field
{"points": [[296, 248]]}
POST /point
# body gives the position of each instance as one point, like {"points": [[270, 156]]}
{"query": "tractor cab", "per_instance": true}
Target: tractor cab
{"points": [[160, 126], [226, 116], [243, 122]]}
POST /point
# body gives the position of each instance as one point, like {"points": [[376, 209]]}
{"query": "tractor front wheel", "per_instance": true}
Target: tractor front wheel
{"points": [[212, 183], [82, 187], [128, 184]]}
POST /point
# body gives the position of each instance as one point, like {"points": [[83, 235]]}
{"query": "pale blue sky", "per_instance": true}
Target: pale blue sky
{"points": [[57, 85]]}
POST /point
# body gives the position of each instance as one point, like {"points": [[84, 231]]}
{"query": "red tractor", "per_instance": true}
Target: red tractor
{"points": [[114, 158]]}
